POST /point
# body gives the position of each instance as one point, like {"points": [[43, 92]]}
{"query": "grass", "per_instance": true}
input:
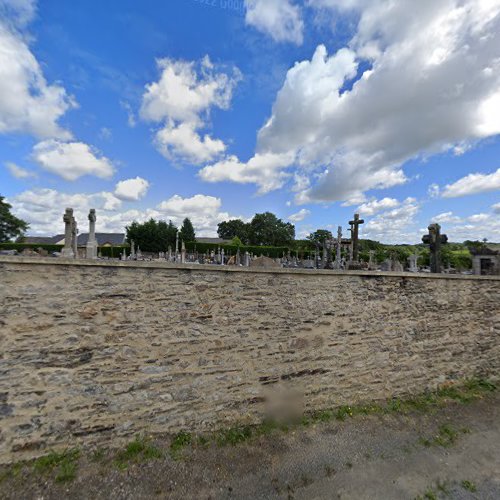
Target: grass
{"points": [[469, 391], [65, 464], [447, 436], [139, 450], [469, 486]]}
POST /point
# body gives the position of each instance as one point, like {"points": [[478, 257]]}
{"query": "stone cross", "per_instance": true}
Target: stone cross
{"points": [[67, 251], [92, 242], [355, 236], [435, 239], [338, 257]]}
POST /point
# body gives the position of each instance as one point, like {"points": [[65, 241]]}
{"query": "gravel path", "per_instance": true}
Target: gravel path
{"points": [[441, 454]]}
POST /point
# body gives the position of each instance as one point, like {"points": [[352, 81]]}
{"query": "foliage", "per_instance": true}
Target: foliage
{"points": [[264, 230], [267, 229], [187, 231], [139, 450], [152, 236], [65, 463], [10, 226], [236, 242], [319, 236], [235, 228]]}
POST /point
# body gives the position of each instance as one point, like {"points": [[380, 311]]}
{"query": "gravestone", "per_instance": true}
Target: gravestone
{"points": [[91, 250], [412, 263], [435, 239], [338, 257], [355, 236], [67, 251]]}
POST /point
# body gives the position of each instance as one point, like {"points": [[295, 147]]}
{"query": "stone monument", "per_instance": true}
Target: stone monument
{"points": [[435, 239], [354, 263], [67, 251], [92, 242]]}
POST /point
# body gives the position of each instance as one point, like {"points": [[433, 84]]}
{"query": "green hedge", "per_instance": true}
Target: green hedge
{"points": [[33, 246]]}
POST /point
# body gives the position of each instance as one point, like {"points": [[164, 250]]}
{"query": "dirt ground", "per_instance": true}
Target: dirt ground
{"points": [[452, 452]]}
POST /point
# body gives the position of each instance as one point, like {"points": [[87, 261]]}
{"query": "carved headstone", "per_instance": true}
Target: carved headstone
{"points": [[92, 242], [435, 239], [67, 251]]}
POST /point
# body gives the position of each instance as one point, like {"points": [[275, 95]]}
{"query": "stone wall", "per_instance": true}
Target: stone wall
{"points": [[93, 351]]}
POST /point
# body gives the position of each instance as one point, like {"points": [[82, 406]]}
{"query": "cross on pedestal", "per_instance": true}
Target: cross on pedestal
{"points": [[435, 239], [355, 236]]}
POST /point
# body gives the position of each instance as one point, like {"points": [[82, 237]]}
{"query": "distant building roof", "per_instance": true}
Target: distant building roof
{"points": [[216, 241], [113, 239], [43, 240]]}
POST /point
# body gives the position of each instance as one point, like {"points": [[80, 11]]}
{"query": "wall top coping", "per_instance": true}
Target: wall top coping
{"points": [[52, 261]]}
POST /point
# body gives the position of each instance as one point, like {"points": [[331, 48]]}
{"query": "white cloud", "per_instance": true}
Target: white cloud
{"points": [[132, 189], [398, 225], [204, 211], [300, 215], [71, 160], [446, 217], [18, 172], [184, 143], [44, 208], [375, 206], [28, 104], [280, 19], [496, 208], [473, 184], [181, 101], [432, 86], [264, 170]]}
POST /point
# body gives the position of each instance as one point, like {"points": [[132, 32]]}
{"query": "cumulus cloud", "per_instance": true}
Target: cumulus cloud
{"points": [[18, 172], [496, 208], [28, 104], [375, 206], [473, 184], [431, 85], [280, 19], [396, 225], [265, 170], [181, 101], [300, 215], [132, 189], [446, 217], [71, 160], [43, 209]]}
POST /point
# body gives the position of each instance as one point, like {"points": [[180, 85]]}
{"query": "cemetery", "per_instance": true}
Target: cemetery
{"points": [[205, 338]]}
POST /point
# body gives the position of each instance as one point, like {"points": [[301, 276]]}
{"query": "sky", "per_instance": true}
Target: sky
{"points": [[220, 109]]}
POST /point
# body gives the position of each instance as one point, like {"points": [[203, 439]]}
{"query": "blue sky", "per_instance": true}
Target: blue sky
{"points": [[220, 109]]}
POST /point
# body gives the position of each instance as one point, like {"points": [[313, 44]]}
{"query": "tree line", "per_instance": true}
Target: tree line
{"points": [[263, 230]]}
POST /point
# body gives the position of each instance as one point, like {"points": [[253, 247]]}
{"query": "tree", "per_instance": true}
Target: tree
{"points": [[236, 242], [230, 229], [320, 236], [187, 231], [152, 236], [267, 229], [10, 226]]}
